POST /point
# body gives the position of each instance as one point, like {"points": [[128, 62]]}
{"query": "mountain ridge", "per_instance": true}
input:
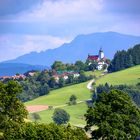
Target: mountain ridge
{"points": [[80, 47], [10, 69]]}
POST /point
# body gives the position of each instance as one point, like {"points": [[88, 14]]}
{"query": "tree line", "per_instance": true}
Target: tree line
{"points": [[132, 90], [125, 59]]}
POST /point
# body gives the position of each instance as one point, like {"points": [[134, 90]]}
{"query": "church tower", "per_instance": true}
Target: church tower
{"points": [[101, 54]]}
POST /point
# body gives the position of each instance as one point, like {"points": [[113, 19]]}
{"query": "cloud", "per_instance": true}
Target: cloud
{"points": [[23, 44], [37, 25], [58, 10], [10, 7]]}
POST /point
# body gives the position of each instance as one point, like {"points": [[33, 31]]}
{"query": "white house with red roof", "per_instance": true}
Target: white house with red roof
{"points": [[100, 59]]}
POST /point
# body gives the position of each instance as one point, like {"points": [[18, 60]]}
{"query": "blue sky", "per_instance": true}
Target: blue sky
{"points": [[38, 25]]}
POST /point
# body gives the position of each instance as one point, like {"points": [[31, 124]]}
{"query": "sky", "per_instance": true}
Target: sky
{"points": [[38, 25]]}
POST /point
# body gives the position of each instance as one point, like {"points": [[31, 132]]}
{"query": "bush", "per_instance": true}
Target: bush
{"points": [[60, 116], [72, 100], [34, 131]]}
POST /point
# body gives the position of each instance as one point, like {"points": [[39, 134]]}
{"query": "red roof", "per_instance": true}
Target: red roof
{"points": [[93, 57]]}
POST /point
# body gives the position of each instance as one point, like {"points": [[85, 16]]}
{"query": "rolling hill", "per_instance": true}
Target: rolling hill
{"points": [[80, 47], [59, 97], [130, 76]]}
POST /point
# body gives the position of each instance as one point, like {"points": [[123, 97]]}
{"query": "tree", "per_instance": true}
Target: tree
{"points": [[60, 116], [80, 65], [61, 82], [37, 131], [72, 100], [12, 109], [36, 117], [52, 82], [58, 66], [115, 115], [82, 77]]}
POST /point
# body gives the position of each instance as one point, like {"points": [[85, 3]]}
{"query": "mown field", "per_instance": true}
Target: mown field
{"points": [[76, 114], [61, 96], [129, 76]]}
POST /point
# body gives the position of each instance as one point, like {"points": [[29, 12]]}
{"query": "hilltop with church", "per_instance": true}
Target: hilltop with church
{"points": [[99, 59]]}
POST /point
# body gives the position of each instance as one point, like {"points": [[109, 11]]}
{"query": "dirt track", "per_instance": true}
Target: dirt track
{"points": [[36, 108]]}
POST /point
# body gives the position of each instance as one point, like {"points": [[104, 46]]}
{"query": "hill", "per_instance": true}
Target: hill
{"points": [[10, 69], [80, 47], [60, 98], [130, 76]]}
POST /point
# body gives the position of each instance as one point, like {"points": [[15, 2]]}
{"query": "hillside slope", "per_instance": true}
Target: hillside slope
{"points": [[130, 76], [80, 47]]}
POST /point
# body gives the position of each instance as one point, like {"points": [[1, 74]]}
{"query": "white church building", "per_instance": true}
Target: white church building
{"points": [[100, 59]]}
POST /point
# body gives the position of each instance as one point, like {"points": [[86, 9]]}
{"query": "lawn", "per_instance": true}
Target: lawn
{"points": [[96, 73], [129, 76], [61, 96], [76, 114]]}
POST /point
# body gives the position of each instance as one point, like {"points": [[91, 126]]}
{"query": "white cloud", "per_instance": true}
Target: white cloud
{"points": [[16, 45], [61, 10]]}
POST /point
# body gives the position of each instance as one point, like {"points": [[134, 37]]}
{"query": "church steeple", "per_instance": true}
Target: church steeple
{"points": [[101, 54]]}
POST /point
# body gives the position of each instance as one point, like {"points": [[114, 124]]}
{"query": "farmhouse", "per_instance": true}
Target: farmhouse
{"points": [[65, 75], [100, 59]]}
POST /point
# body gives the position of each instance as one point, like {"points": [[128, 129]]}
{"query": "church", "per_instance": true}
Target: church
{"points": [[100, 59]]}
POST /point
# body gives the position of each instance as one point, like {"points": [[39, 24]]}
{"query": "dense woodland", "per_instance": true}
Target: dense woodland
{"points": [[116, 116], [132, 91], [125, 59]]}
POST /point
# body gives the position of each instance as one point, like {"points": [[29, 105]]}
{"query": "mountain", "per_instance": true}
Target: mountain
{"points": [[9, 69], [80, 47]]}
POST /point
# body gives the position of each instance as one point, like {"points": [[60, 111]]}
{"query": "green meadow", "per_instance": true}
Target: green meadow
{"points": [[61, 96], [130, 76], [76, 114]]}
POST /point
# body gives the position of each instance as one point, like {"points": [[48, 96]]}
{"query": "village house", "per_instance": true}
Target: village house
{"points": [[65, 75]]}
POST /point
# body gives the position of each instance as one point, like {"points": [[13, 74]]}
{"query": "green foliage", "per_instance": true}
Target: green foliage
{"points": [[79, 65], [72, 100], [36, 131], [36, 117], [61, 82], [125, 59], [133, 91], [58, 66], [115, 115], [60, 116], [11, 109]]}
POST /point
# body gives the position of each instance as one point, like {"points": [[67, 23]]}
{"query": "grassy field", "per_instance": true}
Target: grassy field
{"points": [[96, 73], [61, 96], [129, 76], [76, 114]]}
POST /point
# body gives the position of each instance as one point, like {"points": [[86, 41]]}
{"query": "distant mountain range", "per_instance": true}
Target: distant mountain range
{"points": [[9, 69], [80, 47]]}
